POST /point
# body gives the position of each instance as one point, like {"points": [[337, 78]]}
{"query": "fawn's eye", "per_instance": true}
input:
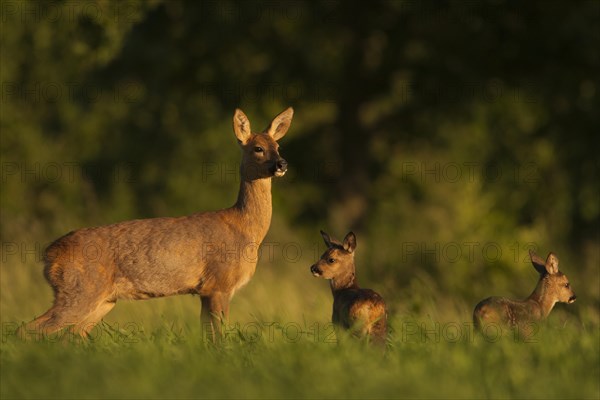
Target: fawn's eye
{"points": [[259, 149], [330, 260], [567, 285]]}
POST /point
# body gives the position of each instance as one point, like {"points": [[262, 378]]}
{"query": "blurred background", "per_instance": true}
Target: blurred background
{"points": [[451, 137]]}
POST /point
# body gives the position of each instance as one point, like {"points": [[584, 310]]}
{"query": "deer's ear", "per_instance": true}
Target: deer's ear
{"points": [[326, 239], [552, 264], [350, 242], [538, 263], [280, 124], [241, 126]]}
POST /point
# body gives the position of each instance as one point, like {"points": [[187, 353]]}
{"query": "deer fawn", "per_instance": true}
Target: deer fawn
{"points": [[553, 287], [211, 254], [362, 311]]}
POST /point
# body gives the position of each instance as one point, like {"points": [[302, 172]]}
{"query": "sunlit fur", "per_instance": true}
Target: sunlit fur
{"points": [[553, 287], [211, 254], [362, 311]]}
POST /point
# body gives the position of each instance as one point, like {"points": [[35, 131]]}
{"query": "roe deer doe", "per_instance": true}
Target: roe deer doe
{"points": [[362, 311], [552, 287], [211, 254]]}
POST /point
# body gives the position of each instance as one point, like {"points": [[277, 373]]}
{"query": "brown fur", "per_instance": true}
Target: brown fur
{"points": [[362, 311], [211, 254], [553, 287]]}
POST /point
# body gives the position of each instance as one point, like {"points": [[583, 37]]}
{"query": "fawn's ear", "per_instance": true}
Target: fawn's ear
{"points": [[350, 242], [241, 126], [538, 263], [552, 264], [326, 239], [280, 124]]}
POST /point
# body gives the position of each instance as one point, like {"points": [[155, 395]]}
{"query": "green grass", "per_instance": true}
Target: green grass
{"points": [[174, 362], [281, 346]]}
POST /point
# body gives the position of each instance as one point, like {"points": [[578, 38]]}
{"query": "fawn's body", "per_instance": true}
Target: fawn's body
{"points": [[553, 287], [211, 254], [362, 311]]}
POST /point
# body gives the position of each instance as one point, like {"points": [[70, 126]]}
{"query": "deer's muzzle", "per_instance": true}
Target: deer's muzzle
{"points": [[572, 299], [315, 270], [280, 167]]}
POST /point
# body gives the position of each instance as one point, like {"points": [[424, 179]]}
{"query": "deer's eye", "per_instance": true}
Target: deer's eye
{"points": [[330, 260], [567, 285], [259, 149]]}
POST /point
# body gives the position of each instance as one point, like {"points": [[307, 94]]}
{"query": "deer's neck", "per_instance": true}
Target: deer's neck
{"points": [[254, 206], [542, 298], [343, 281]]}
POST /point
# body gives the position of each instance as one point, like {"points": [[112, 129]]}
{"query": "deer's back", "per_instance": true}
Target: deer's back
{"points": [[156, 257], [504, 311], [360, 307]]}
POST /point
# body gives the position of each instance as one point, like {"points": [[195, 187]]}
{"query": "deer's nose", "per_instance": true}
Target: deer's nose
{"points": [[315, 270], [572, 299], [281, 165]]}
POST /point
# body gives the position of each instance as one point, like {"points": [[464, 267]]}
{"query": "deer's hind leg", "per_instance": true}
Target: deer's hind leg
{"points": [[58, 317], [82, 314], [36, 325], [82, 297]]}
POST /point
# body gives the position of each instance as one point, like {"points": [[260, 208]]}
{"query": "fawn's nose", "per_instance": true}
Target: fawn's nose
{"points": [[315, 270], [572, 299]]}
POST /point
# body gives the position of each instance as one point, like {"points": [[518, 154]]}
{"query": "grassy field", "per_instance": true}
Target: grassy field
{"points": [[172, 362], [286, 349], [452, 137]]}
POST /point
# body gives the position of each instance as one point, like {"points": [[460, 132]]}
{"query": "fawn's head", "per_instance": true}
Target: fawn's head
{"points": [[261, 157], [555, 283], [338, 259]]}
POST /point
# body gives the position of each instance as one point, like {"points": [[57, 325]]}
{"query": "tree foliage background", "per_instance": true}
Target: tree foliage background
{"points": [[450, 136]]}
